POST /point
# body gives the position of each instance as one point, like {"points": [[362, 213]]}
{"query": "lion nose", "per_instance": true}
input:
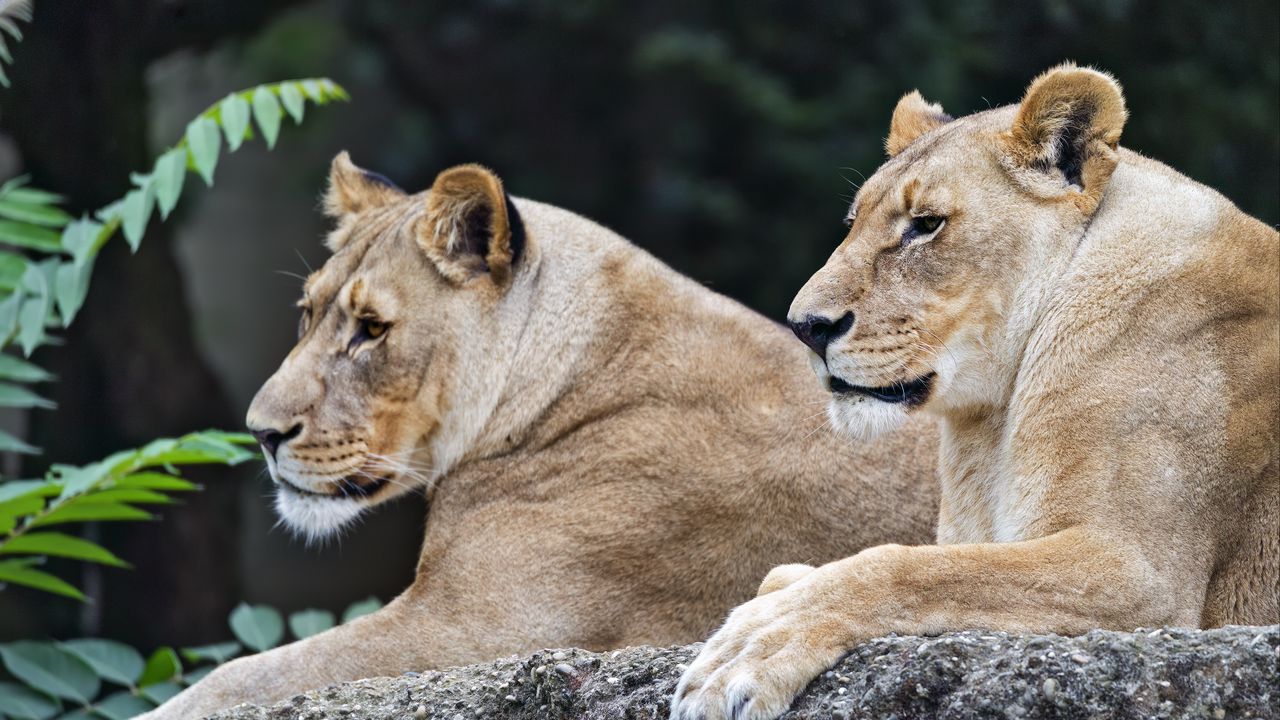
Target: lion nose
{"points": [[817, 332], [271, 439]]}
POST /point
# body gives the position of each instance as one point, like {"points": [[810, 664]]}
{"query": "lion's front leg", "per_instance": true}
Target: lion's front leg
{"points": [[392, 640], [770, 648]]}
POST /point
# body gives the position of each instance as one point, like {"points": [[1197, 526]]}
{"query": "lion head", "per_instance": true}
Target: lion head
{"points": [[401, 344], [927, 301]]}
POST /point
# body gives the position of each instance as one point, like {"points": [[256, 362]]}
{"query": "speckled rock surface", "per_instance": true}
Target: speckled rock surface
{"points": [[1232, 672]]}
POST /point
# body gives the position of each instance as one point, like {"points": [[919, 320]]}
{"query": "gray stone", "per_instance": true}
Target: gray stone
{"points": [[1232, 672]]}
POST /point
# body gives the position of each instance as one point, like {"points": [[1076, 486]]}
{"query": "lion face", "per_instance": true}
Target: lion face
{"points": [[923, 303], [400, 344]]}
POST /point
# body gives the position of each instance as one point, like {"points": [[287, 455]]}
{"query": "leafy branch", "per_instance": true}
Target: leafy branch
{"points": [[82, 673], [110, 489], [45, 285]]}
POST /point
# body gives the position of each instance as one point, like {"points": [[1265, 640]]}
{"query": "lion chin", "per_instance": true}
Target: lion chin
{"points": [[315, 519], [864, 418]]}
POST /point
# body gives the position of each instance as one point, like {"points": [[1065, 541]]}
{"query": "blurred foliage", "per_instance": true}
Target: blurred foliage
{"points": [[93, 678], [41, 287], [727, 137], [46, 257], [108, 490]]}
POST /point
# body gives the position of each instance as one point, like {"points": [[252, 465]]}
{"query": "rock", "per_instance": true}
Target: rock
{"points": [[1231, 672]]}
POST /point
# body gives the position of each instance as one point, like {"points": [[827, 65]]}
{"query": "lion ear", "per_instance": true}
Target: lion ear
{"points": [[353, 190], [471, 227], [912, 117], [1066, 131]]}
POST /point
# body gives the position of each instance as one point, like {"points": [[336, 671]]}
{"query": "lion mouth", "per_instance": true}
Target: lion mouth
{"points": [[349, 487], [912, 392]]}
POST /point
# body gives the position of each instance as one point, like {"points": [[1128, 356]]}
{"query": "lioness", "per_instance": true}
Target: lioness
{"points": [[1101, 339], [613, 454]]}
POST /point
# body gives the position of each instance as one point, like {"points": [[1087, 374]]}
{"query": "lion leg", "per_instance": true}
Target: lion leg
{"points": [[391, 641], [1070, 582]]}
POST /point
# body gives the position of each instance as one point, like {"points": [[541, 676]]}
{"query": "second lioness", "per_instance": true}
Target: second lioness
{"points": [[614, 454]]}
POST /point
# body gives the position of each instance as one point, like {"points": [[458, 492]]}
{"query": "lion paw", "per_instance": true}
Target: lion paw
{"points": [[759, 661], [782, 576]]}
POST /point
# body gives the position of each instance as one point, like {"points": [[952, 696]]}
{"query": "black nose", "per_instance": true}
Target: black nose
{"points": [[272, 439], [818, 332]]}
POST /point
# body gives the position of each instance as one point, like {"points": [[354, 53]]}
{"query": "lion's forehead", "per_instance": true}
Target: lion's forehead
{"points": [[377, 241]]}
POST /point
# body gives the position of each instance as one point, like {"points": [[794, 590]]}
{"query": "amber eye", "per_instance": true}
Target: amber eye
{"points": [[926, 224], [371, 328]]}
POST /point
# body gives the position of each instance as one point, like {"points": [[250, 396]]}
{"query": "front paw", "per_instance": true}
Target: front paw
{"points": [[765, 654]]}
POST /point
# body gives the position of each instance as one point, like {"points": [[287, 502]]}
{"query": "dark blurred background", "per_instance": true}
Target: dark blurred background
{"points": [[725, 137]]}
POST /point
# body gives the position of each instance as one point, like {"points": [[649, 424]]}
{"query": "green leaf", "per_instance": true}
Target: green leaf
{"points": [[76, 480], [160, 692], [60, 545], [85, 512], [266, 110], [9, 310], [135, 212], [170, 173], [16, 489], [20, 572], [305, 623], [9, 443], [34, 213], [156, 481], [312, 89], [24, 703], [360, 609], [50, 669], [33, 196], [13, 367], [12, 267], [81, 239], [259, 627], [113, 661], [71, 287], [204, 140], [122, 706], [294, 103], [19, 397], [127, 495], [11, 27], [234, 112], [31, 323], [162, 666], [29, 236], [10, 510], [219, 653]]}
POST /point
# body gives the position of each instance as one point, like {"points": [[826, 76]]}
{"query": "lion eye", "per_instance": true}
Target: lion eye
{"points": [[926, 224], [368, 329], [303, 321], [921, 226], [373, 329]]}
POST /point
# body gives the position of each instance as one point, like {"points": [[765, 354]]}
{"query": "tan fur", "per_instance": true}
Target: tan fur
{"points": [[914, 116], [613, 454], [1105, 343]]}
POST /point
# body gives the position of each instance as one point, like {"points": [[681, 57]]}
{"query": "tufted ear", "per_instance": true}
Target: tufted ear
{"points": [[471, 226], [353, 190], [1064, 138], [912, 117]]}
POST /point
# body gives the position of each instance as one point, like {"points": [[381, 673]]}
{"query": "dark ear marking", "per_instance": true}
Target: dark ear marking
{"points": [[1067, 128], [471, 226], [517, 230]]}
